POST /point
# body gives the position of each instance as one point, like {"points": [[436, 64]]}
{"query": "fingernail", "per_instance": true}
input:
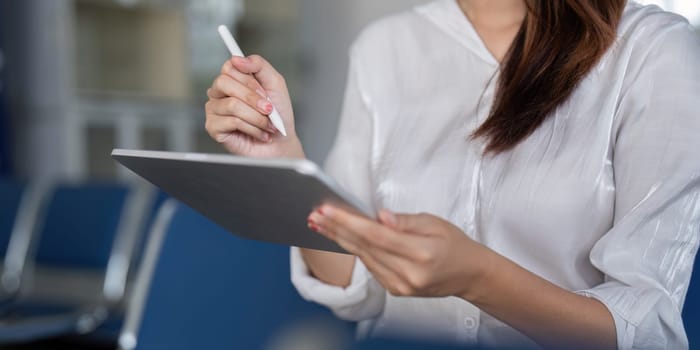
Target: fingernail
{"points": [[266, 137], [265, 106]]}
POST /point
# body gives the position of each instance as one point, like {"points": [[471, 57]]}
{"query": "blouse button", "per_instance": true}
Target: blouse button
{"points": [[469, 323]]}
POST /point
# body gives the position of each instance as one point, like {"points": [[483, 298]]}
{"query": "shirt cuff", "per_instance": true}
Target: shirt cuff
{"points": [[623, 329], [362, 299], [644, 317]]}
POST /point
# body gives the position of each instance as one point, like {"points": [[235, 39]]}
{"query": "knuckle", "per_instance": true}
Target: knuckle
{"points": [[219, 83], [405, 290], [414, 285], [256, 58], [417, 281], [424, 257], [233, 105]]}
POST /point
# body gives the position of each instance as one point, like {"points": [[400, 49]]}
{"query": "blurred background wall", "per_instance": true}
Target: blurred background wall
{"points": [[85, 76], [81, 77]]}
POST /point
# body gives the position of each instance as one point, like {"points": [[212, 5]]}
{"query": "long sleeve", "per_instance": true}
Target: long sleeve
{"points": [[647, 256], [349, 164]]}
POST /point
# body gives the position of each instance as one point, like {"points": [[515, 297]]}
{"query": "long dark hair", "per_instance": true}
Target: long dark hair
{"points": [[559, 42]]}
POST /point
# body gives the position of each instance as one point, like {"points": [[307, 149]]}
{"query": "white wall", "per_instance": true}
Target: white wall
{"points": [[328, 27]]}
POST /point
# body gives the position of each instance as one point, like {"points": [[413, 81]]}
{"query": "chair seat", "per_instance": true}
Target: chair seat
{"points": [[24, 308], [30, 329], [29, 320]]}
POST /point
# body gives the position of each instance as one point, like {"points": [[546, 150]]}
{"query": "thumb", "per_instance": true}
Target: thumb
{"points": [[262, 70], [417, 223]]}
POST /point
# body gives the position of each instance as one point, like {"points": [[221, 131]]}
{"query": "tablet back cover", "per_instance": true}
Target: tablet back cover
{"points": [[267, 201]]}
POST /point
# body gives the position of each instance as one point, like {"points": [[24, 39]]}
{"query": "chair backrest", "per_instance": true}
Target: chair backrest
{"points": [[691, 308], [201, 287], [152, 212], [20, 205], [10, 200], [93, 226], [80, 225]]}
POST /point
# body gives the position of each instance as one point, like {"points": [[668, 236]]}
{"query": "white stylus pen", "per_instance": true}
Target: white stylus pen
{"points": [[236, 51]]}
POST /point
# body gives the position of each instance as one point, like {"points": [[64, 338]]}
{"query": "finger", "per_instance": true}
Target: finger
{"points": [[372, 238], [263, 71], [397, 261], [234, 107], [388, 278], [245, 79], [221, 127], [384, 266], [225, 86], [255, 132], [321, 225], [375, 233], [388, 218], [414, 223]]}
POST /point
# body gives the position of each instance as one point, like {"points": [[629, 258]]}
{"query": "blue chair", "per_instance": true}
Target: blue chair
{"points": [[691, 308], [5, 166], [10, 198], [108, 331], [11, 193], [199, 287], [20, 204], [84, 246]]}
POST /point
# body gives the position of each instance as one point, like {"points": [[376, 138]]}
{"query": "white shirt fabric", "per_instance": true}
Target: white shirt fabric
{"points": [[603, 199]]}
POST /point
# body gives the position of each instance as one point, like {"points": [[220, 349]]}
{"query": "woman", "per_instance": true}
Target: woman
{"points": [[542, 154]]}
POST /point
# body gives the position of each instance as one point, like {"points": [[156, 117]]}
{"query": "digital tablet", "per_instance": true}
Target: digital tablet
{"points": [[261, 199]]}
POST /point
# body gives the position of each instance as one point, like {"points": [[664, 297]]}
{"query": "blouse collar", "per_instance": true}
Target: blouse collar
{"points": [[449, 17]]}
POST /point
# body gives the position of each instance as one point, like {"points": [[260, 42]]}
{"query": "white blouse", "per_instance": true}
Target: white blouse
{"points": [[603, 199]]}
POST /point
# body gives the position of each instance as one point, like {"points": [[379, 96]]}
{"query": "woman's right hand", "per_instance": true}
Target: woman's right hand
{"points": [[238, 109]]}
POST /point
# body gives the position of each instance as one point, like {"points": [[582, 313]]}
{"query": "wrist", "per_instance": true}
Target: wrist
{"points": [[480, 269]]}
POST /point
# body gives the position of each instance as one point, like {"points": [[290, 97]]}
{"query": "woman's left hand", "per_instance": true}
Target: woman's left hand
{"points": [[410, 255]]}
